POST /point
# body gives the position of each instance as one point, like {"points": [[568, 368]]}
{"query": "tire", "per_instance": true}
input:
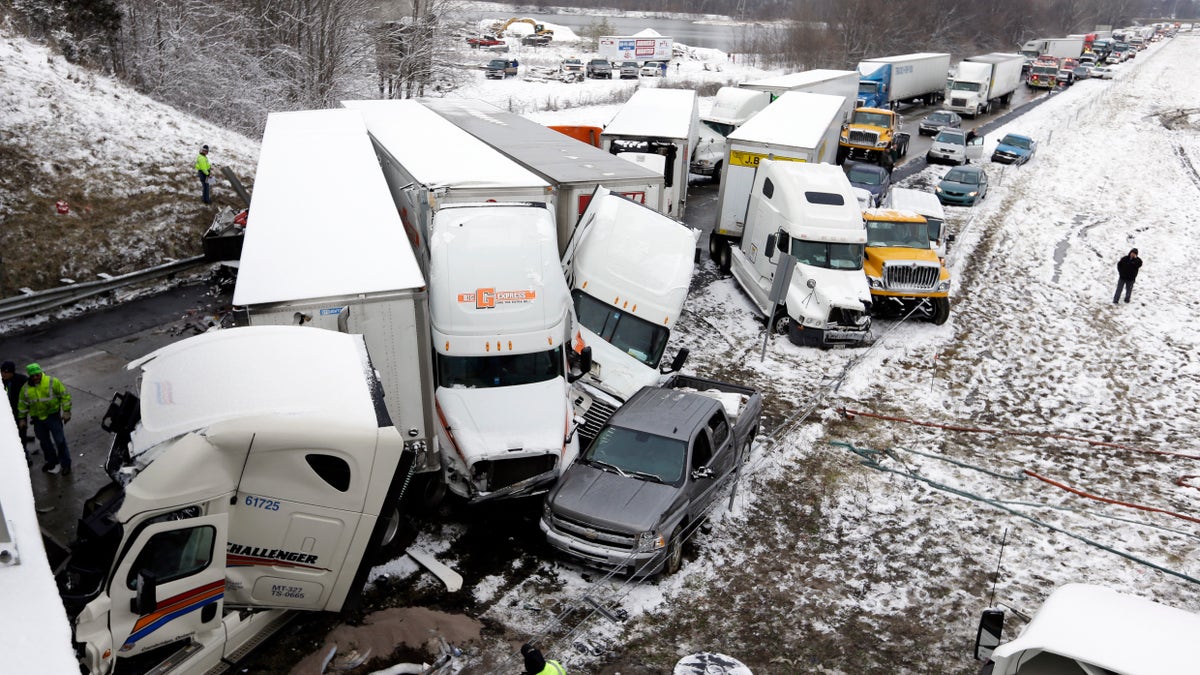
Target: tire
{"points": [[842, 153], [674, 559], [725, 258], [782, 322], [392, 528], [715, 243], [941, 311]]}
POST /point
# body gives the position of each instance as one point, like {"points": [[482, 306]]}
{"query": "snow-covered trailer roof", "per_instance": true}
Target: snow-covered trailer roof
{"points": [[796, 119], [256, 370], [322, 223], [558, 158], [1120, 633], [658, 113], [437, 153], [797, 80]]}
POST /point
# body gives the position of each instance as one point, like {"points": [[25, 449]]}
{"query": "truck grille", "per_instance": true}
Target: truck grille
{"points": [[501, 473], [863, 137], [596, 417], [911, 276], [592, 534], [958, 102], [848, 319]]}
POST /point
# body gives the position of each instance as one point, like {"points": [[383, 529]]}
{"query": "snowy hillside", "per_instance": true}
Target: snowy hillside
{"points": [[121, 161]]}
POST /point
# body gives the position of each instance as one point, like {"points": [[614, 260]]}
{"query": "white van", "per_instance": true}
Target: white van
{"points": [[928, 205]]}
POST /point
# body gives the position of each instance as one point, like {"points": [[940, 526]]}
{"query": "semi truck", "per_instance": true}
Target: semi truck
{"points": [[808, 212], [652, 476], [1059, 48], [1086, 628], [905, 275], [798, 127], [658, 129], [983, 81], [232, 505], [629, 269], [888, 81], [328, 251], [573, 172], [732, 107]]}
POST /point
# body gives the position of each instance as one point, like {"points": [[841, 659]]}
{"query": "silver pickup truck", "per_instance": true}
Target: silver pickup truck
{"points": [[650, 476]]}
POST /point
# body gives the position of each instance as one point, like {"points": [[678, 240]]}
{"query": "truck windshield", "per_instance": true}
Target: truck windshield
{"points": [[903, 234], [960, 85], [639, 452], [828, 255], [501, 370], [719, 127], [633, 335], [867, 87], [872, 118]]}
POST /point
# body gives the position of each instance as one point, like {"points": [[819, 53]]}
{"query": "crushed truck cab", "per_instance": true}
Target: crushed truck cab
{"points": [[904, 274], [254, 473], [873, 135]]}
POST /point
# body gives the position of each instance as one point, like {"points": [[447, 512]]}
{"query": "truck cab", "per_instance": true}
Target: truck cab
{"points": [[232, 504], [502, 326], [874, 135], [807, 212], [905, 276], [629, 268], [731, 108]]}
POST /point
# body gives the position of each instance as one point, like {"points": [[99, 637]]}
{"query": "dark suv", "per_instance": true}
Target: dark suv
{"points": [[599, 68], [498, 69]]}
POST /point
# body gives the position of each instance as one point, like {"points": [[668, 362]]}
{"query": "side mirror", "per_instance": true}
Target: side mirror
{"points": [[769, 250], [576, 424], [783, 242], [987, 638], [949, 238], [145, 600], [677, 363], [582, 365]]}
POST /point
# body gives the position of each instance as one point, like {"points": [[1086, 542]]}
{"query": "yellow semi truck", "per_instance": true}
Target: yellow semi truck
{"points": [[874, 135], [904, 274]]}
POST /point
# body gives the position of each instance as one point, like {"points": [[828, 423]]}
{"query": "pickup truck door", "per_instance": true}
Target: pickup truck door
{"points": [[179, 565], [712, 450]]}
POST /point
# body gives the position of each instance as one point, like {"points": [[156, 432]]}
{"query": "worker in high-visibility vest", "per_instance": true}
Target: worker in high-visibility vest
{"points": [[536, 664], [203, 170], [47, 401]]}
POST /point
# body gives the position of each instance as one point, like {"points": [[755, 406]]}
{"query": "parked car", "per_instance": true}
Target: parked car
{"points": [[963, 186], [872, 178], [571, 66], [654, 69], [936, 121], [1103, 72], [629, 69], [599, 68], [484, 41], [498, 69], [1014, 149], [955, 146], [536, 40]]}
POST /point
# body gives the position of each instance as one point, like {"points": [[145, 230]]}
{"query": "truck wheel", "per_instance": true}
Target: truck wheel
{"points": [[782, 321], [392, 527], [842, 151], [715, 243], [725, 258], [904, 149], [674, 552], [941, 311]]}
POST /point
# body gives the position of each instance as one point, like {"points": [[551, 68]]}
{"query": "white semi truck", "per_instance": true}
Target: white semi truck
{"points": [[984, 81], [1059, 48], [328, 250], [573, 169], [629, 269], [799, 127], [808, 212], [256, 472], [658, 129]]}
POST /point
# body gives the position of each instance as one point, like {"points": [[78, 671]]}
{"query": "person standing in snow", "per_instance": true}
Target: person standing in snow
{"points": [[536, 664], [203, 170], [46, 400], [1127, 271]]}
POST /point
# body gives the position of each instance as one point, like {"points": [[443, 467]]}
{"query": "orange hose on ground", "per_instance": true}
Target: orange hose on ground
{"points": [[1107, 500]]}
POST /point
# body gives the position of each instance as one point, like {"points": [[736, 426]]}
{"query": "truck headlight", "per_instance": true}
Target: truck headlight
{"points": [[650, 541], [874, 282], [547, 514], [881, 143], [943, 286]]}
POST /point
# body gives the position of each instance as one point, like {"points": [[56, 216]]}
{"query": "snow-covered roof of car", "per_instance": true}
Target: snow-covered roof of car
{"points": [[662, 113]]}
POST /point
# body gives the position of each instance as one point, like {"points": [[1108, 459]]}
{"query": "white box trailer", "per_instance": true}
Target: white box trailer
{"points": [[327, 250], [820, 81], [573, 169], [658, 129], [731, 108], [983, 81], [635, 48], [428, 162], [1059, 48], [889, 80], [799, 127]]}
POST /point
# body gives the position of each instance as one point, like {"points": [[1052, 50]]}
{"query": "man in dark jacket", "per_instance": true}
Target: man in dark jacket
{"points": [[1127, 271], [13, 381]]}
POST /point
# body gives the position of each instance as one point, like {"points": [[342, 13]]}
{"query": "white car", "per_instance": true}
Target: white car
{"points": [[1103, 72], [952, 146], [651, 70]]}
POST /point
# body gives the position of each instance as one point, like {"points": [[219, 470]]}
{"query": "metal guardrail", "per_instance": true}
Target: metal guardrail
{"points": [[52, 298]]}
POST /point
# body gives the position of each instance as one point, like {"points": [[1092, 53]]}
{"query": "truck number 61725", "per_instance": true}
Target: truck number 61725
{"points": [[260, 503]]}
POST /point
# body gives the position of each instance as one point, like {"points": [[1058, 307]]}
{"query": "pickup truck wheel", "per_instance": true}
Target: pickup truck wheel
{"points": [[941, 311], [674, 552]]}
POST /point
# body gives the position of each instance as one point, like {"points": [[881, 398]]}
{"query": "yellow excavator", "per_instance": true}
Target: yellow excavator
{"points": [[538, 29]]}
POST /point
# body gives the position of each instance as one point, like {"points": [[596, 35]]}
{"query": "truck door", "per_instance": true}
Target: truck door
{"points": [[169, 585]]}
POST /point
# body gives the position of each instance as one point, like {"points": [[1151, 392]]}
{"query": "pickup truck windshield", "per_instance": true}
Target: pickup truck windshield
{"points": [[873, 119], [635, 336], [898, 234], [827, 255], [501, 370], [639, 452]]}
